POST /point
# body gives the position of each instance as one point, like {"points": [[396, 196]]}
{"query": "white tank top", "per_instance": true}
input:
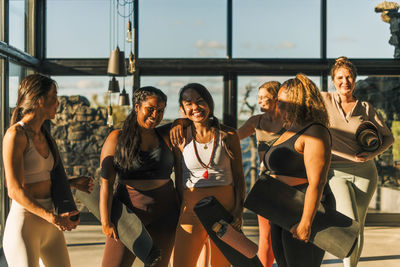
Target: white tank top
{"points": [[36, 167], [219, 170]]}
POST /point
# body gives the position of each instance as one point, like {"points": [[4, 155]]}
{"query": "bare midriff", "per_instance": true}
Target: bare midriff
{"points": [[290, 180], [39, 190], [144, 184]]}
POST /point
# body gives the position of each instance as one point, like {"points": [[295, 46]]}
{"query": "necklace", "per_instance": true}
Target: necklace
{"points": [[205, 174]]}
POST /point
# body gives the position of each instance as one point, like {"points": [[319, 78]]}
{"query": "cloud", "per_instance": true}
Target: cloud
{"points": [[199, 22], [286, 45], [208, 49], [81, 84]]}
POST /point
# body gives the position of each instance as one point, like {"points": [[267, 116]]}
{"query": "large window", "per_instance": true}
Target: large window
{"points": [[182, 28], [17, 24], [276, 29], [356, 31], [79, 29]]}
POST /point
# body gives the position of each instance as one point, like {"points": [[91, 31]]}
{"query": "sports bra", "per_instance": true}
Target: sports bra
{"points": [[36, 167], [155, 164], [283, 159]]}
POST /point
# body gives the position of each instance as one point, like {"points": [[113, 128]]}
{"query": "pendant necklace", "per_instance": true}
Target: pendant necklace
{"points": [[205, 174]]}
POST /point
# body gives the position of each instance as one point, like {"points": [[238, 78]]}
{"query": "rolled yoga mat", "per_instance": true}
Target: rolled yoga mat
{"points": [[283, 205], [131, 231], [210, 211]]}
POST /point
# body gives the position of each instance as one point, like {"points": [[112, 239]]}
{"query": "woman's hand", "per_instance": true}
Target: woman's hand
{"points": [[301, 231], [176, 133], [83, 183], [363, 156], [64, 222], [237, 214], [109, 230]]}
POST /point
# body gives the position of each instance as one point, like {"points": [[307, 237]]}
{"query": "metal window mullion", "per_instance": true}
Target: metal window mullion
{"points": [[324, 74]]}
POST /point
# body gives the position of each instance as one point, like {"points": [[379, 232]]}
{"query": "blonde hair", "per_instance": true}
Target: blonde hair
{"points": [[272, 87], [305, 101], [343, 62]]}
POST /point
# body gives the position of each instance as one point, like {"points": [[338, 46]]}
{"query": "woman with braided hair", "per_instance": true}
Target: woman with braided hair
{"points": [[140, 153], [353, 176]]}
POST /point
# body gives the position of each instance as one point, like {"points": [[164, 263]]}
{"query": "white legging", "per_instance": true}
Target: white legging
{"points": [[28, 237], [353, 186]]}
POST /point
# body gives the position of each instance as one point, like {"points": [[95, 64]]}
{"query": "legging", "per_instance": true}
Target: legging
{"points": [[353, 185], [28, 237], [190, 233], [291, 252], [158, 209]]}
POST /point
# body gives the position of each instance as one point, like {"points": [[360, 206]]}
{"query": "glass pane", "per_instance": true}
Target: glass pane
{"points": [[247, 95], [79, 29], [355, 30], [182, 28], [171, 86], [16, 75], [17, 24], [276, 29], [2, 183]]}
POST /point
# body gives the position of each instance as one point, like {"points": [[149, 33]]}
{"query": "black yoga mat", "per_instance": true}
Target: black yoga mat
{"points": [[131, 231], [209, 211], [283, 205]]}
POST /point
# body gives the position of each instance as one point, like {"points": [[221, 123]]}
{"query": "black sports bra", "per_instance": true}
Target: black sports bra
{"points": [[150, 165], [283, 159]]}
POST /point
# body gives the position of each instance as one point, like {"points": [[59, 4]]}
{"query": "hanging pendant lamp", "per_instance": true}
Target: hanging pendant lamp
{"points": [[129, 32], [116, 63], [123, 98], [113, 85]]}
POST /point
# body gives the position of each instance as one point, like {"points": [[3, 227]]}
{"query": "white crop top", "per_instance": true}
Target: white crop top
{"points": [[219, 170], [36, 167]]}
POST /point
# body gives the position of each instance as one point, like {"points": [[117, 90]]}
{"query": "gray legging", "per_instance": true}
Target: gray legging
{"points": [[353, 185]]}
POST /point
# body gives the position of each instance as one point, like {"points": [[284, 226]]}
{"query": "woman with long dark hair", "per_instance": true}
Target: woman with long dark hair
{"points": [[209, 163], [33, 229], [140, 155]]}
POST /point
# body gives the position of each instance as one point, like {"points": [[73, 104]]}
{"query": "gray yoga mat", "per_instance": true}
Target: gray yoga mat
{"points": [[283, 205], [209, 211], [131, 230]]}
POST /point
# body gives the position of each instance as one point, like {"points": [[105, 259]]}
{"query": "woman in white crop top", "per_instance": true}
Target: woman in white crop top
{"points": [[211, 165], [33, 230]]}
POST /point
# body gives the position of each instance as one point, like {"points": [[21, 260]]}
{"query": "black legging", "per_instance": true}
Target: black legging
{"points": [[158, 210], [291, 252]]}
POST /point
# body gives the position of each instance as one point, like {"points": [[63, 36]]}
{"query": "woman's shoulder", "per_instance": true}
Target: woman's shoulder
{"points": [[318, 130], [326, 95], [15, 134]]}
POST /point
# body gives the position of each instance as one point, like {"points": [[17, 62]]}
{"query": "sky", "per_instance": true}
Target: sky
{"points": [[197, 29]]}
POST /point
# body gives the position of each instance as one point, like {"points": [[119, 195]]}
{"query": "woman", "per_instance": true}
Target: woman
{"points": [[141, 155], [300, 157], [353, 175], [33, 230], [209, 164], [268, 127]]}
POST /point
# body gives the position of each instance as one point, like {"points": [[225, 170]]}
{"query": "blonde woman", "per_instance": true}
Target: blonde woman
{"points": [[267, 127], [300, 157], [353, 175]]}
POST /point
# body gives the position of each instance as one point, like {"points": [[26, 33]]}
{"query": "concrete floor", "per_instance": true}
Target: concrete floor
{"points": [[382, 247]]}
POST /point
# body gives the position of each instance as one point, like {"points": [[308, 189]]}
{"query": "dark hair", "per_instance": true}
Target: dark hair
{"points": [[343, 62], [129, 137], [205, 94], [30, 89]]}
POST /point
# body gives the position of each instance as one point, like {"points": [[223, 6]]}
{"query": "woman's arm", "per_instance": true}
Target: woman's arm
{"points": [[317, 157], [248, 128], [14, 145], [233, 143], [107, 180]]}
